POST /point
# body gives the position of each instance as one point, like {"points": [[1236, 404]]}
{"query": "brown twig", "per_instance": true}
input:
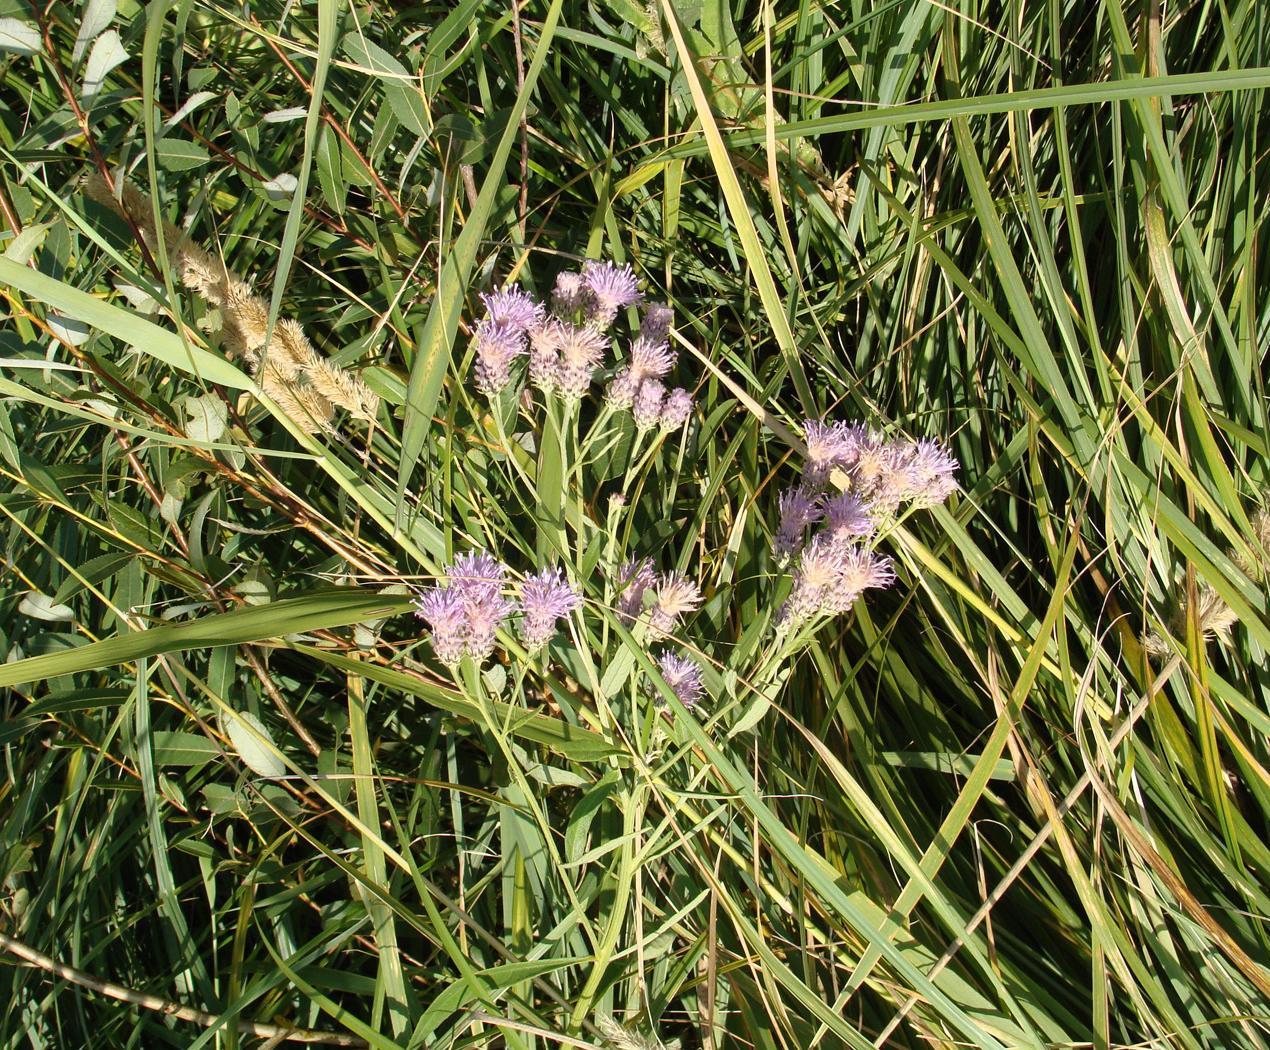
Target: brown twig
{"points": [[282, 1033], [336, 126], [280, 702], [523, 208]]}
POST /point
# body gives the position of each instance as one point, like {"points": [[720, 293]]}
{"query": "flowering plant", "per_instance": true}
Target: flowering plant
{"points": [[854, 488]]}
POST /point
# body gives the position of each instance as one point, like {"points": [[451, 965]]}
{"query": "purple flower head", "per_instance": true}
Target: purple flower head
{"points": [[800, 508], [612, 288], [861, 570], [677, 409], [831, 577], [497, 345], [876, 464], [931, 474], [544, 599], [842, 446], [466, 612], [476, 577], [581, 353], [819, 575], [675, 596], [545, 340], [847, 518], [864, 570], [633, 579], [513, 307], [570, 293], [856, 439], [647, 406], [441, 608], [827, 447], [622, 389], [484, 618], [684, 678], [649, 359], [885, 473], [655, 326]]}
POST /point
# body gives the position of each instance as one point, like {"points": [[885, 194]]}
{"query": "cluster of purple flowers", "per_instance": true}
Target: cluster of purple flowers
{"points": [[639, 386], [883, 474], [673, 596], [465, 610], [566, 347], [837, 565]]}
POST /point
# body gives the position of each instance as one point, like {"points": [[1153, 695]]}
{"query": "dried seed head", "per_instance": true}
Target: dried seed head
{"points": [[674, 596]]}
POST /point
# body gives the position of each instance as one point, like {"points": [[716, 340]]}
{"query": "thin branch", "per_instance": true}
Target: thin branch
{"points": [[280, 1033]]}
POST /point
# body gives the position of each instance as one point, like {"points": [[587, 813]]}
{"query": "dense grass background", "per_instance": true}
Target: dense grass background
{"points": [[976, 814]]}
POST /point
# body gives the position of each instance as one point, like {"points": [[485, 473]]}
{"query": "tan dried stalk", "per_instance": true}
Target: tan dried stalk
{"points": [[304, 384]]}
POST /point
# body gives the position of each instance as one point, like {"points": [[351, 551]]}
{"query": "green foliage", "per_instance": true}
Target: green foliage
{"points": [[974, 812]]}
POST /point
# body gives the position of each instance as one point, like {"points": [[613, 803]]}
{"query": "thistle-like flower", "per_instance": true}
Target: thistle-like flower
{"points": [[648, 402], [931, 472], [466, 611], [684, 678], [633, 579], [545, 340], [799, 508], [612, 288], [497, 345], [835, 568], [513, 308], [655, 325], [570, 294], [674, 596], [819, 570], [876, 465], [649, 359], [581, 352], [829, 445], [476, 576], [622, 389], [676, 410], [847, 518], [862, 570], [544, 599], [443, 612], [831, 577], [484, 617]]}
